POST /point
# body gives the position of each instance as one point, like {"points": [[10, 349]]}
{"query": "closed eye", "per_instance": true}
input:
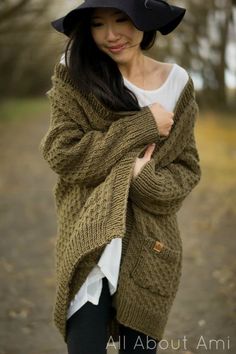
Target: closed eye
{"points": [[122, 20], [98, 24]]}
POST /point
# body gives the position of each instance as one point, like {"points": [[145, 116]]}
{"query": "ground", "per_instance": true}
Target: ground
{"points": [[204, 309]]}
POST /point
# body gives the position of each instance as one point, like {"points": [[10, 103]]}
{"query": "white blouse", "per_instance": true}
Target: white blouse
{"points": [[109, 262]]}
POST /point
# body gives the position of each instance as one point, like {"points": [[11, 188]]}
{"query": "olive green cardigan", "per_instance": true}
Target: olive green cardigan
{"points": [[93, 150]]}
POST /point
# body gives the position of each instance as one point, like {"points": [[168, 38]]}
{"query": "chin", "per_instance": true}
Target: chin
{"points": [[122, 57]]}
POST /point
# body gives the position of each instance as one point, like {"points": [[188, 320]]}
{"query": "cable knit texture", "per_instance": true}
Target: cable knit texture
{"points": [[92, 149]]}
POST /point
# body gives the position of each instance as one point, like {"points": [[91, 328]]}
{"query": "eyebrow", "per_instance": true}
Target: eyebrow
{"points": [[114, 13]]}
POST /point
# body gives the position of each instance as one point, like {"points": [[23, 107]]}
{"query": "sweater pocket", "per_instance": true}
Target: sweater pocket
{"points": [[157, 267]]}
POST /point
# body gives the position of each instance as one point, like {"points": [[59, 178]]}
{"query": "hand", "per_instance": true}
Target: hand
{"points": [[140, 162], [163, 118]]}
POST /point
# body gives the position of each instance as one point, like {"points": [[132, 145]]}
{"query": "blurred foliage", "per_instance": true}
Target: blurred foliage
{"points": [[200, 45], [216, 140], [13, 109], [30, 46]]}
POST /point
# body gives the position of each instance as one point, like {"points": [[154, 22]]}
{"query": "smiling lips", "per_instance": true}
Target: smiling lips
{"points": [[117, 48]]}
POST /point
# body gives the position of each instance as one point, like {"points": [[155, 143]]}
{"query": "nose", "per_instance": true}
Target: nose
{"points": [[111, 33]]}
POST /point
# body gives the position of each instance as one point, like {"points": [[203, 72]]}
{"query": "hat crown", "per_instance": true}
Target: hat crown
{"points": [[150, 4]]}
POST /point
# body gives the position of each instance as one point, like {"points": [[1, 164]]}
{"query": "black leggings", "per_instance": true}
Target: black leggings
{"points": [[87, 331]]}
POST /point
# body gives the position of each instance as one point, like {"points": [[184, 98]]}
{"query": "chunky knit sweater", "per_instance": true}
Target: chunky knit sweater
{"points": [[93, 149]]}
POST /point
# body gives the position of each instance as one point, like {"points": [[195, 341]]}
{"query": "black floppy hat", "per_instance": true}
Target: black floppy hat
{"points": [[146, 15]]}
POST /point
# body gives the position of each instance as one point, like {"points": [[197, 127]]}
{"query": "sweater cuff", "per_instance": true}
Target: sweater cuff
{"points": [[140, 185], [145, 126]]}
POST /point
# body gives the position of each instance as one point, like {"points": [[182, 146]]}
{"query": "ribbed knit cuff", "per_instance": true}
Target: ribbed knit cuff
{"points": [[143, 126], [140, 185]]}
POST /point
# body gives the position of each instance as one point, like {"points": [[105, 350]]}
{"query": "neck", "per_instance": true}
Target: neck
{"points": [[134, 67]]}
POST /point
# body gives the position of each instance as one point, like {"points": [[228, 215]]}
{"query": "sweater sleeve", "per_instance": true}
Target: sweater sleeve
{"points": [[162, 190], [87, 157]]}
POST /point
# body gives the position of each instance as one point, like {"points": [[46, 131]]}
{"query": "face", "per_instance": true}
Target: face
{"points": [[115, 34]]}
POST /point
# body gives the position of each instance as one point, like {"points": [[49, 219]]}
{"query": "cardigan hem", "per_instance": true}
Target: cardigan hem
{"points": [[128, 315]]}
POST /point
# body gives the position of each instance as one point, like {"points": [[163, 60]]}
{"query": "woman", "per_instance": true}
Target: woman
{"points": [[118, 251]]}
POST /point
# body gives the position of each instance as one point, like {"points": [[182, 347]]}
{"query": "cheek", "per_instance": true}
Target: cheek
{"points": [[138, 36], [134, 34]]}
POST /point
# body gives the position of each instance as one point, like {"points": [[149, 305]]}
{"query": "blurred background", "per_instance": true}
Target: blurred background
{"points": [[205, 308]]}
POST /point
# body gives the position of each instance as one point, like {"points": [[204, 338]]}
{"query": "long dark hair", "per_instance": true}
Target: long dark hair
{"points": [[93, 71]]}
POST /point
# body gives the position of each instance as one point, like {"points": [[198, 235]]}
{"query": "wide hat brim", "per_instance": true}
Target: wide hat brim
{"points": [[146, 15]]}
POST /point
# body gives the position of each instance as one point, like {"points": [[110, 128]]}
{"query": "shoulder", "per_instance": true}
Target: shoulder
{"points": [[178, 78], [165, 68], [180, 74], [177, 73]]}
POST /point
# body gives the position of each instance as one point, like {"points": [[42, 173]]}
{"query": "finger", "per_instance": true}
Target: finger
{"points": [[149, 151], [159, 104], [151, 147]]}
